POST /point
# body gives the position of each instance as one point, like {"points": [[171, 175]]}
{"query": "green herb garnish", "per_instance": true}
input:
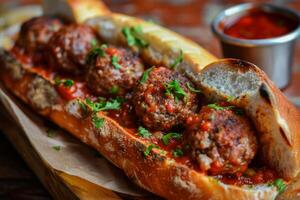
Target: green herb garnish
{"points": [[50, 133], [149, 149], [217, 107], [82, 106], [230, 98], [68, 83], [174, 88], [132, 35], [114, 89], [57, 81], [115, 62], [192, 89], [96, 51], [105, 105], [280, 185], [177, 60], [143, 132], [57, 148], [145, 75], [177, 152], [94, 42], [167, 137], [97, 121]]}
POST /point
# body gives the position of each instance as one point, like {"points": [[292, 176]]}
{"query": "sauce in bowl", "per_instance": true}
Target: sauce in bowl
{"points": [[260, 24]]}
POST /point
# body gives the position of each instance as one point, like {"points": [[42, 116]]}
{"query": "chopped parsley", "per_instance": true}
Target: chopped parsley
{"points": [[177, 60], [50, 133], [132, 35], [104, 105], [174, 88], [114, 89], [149, 149], [167, 137], [65, 82], [115, 62], [97, 121], [177, 152], [94, 42], [230, 98], [145, 75], [57, 147], [217, 107], [280, 185], [96, 51], [68, 83], [82, 106], [143, 132], [192, 89]]}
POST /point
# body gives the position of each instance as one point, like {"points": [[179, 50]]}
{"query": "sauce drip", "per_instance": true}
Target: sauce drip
{"points": [[259, 24]]}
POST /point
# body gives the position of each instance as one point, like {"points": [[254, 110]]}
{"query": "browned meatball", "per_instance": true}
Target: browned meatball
{"points": [[113, 70], [35, 34], [69, 47], [221, 140], [163, 100]]}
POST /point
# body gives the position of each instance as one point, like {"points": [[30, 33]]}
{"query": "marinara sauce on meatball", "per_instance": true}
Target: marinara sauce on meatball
{"points": [[113, 70], [35, 34], [69, 47], [163, 99], [221, 140]]}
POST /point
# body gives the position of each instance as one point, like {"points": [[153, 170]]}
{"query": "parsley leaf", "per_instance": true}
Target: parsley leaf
{"points": [[57, 148], [94, 42], [114, 89], [133, 36], [115, 62], [149, 149], [177, 60], [167, 137], [50, 133], [57, 81], [96, 51], [280, 185], [217, 107], [143, 132], [97, 121], [82, 106], [192, 89], [177, 152], [174, 88], [68, 83], [230, 98], [145, 75], [105, 105]]}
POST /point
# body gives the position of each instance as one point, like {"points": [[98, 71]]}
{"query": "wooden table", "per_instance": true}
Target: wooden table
{"points": [[188, 17]]}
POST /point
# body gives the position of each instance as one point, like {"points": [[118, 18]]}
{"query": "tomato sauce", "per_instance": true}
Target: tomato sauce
{"points": [[126, 117], [259, 24]]}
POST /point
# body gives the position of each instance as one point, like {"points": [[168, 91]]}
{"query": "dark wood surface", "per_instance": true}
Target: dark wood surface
{"points": [[188, 17]]}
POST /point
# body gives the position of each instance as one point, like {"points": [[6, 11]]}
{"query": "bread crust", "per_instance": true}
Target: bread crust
{"points": [[273, 115], [156, 173]]}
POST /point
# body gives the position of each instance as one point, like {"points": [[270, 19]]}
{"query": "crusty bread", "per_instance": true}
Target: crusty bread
{"points": [[276, 119], [156, 173]]}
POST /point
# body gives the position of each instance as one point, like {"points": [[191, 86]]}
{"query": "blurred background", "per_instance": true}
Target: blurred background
{"points": [[190, 18]]}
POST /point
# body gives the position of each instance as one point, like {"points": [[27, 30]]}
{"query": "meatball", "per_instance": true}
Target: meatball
{"points": [[113, 70], [164, 99], [35, 34], [69, 47], [221, 140]]}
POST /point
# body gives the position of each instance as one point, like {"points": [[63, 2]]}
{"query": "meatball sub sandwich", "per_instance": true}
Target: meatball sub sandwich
{"points": [[179, 122]]}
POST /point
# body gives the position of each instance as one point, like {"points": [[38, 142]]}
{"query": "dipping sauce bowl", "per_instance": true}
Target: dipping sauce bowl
{"points": [[263, 34]]}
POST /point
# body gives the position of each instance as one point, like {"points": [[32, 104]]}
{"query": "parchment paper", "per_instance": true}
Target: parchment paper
{"points": [[74, 157]]}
